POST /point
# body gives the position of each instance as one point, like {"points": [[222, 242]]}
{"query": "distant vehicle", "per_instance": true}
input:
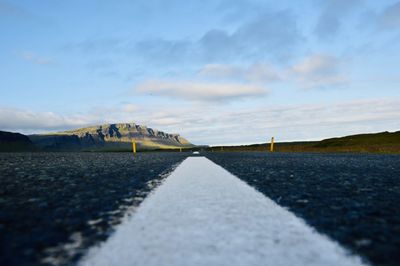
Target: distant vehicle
{"points": [[196, 152]]}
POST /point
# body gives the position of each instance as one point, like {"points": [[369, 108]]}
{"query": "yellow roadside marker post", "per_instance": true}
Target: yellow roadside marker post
{"points": [[180, 149], [133, 147], [272, 144]]}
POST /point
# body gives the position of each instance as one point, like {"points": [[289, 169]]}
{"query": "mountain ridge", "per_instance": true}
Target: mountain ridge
{"points": [[115, 136], [10, 142], [119, 137]]}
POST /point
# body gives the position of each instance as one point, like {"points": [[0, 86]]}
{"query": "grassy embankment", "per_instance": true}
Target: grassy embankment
{"points": [[384, 142]]}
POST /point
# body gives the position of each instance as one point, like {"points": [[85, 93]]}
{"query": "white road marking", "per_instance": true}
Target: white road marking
{"points": [[203, 215]]}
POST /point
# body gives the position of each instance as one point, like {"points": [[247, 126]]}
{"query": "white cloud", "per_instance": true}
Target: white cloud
{"points": [[251, 39], [130, 108], [219, 71], [293, 122], [217, 124], [254, 73], [319, 71], [31, 57], [222, 125], [29, 121], [199, 91], [315, 71], [261, 72]]}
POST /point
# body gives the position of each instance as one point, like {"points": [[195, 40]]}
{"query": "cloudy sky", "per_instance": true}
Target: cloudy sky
{"points": [[217, 72]]}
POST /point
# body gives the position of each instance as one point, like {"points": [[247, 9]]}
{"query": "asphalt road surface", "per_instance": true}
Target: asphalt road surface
{"points": [[55, 205], [202, 215], [352, 198]]}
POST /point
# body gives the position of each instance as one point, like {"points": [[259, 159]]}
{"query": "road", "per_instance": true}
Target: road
{"points": [[352, 198], [55, 205], [203, 215]]}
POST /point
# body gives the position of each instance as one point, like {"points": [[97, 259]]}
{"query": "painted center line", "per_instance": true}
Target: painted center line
{"points": [[203, 215]]}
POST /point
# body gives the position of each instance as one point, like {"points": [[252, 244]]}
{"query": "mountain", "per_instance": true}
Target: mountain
{"points": [[15, 142], [109, 137], [382, 142]]}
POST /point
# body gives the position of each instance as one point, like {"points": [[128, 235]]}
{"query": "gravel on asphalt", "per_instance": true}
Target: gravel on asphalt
{"points": [[55, 205], [352, 198]]}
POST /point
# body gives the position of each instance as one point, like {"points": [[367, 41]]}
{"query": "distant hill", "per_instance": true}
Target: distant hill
{"points": [[118, 137], [109, 137], [10, 142], [382, 139], [383, 142]]}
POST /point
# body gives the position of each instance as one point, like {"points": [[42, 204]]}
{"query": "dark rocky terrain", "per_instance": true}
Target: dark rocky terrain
{"points": [[54, 205], [353, 198]]}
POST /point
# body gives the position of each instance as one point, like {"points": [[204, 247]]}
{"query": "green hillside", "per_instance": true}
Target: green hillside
{"points": [[383, 142]]}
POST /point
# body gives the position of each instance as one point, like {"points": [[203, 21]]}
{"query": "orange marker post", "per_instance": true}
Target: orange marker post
{"points": [[133, 147], [272, 144]]}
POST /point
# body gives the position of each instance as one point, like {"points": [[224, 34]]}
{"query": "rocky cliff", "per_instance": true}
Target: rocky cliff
{"points": [[14, 142], [110, 137]]}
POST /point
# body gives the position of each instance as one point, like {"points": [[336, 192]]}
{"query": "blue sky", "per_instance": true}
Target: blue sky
{"points": [[217, 72]]}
